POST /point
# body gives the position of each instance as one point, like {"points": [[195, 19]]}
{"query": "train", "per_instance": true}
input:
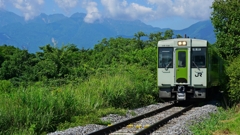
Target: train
{"points": [[188, 69]]}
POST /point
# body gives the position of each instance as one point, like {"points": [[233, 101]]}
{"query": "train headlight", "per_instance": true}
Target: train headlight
{"points": [[182, 43], [179, 43]]}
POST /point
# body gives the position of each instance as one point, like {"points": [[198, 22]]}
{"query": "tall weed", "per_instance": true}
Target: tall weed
{"points": [[40, 109], [125, 86]]}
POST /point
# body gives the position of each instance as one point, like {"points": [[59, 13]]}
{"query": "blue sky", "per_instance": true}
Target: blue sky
{"points": [[175, 14]]}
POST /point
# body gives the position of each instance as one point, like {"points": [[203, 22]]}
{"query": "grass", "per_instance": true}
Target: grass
{"points": [[223, 122], [91, 117], [39, 109]]}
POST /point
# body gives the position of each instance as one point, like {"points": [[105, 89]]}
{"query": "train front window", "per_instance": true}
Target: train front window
{"points": [[181, 59], [165, 57], [198, 57]]}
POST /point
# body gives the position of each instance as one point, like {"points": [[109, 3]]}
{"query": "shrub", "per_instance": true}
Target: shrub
{"points": [[233, 73], [5, 86]]}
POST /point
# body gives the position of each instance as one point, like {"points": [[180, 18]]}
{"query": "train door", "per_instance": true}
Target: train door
{"points": [[181, 72], [181, 65]]}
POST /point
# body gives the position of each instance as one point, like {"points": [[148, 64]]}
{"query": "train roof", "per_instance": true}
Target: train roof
{"points": [[183, 42]]}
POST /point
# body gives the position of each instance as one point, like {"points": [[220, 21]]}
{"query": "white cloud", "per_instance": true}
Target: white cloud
{"points": [[29, 8], [121, 9], [92, 12], [54, 42], [2, 4], [194, 9], [67, 4]]}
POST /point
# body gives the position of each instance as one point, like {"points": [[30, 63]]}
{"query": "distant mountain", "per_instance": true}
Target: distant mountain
{"points": [[46, 29], [201, 30]]}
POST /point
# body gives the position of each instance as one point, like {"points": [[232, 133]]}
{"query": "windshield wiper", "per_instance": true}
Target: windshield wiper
{"points": [[168, 65], [196, 65]]}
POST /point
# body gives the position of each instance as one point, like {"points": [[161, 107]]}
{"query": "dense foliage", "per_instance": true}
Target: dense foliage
{"points": [[69, 62], [56, 87], [234, 83], [225, 18]]}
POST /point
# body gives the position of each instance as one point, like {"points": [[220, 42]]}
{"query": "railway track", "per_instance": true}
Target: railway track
{"points": [[132, 126]]}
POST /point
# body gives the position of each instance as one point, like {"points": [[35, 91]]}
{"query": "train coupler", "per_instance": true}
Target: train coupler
{"points": [[181, 94]]}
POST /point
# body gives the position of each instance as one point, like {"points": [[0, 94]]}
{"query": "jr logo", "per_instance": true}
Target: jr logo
{"points": [[198, 74]]}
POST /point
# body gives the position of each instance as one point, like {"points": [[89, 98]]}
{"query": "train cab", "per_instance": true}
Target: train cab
{"points": [[182, 68]]}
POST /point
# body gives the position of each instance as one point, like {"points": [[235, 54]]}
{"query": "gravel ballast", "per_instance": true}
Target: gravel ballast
{"points": [[174, 127]]}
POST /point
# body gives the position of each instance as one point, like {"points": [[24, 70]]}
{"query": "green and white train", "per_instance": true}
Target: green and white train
{"points": [[188, 69]]}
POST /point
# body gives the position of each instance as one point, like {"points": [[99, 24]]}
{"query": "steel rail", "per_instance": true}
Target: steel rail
{"points": [[155, 126], [117, 126]]}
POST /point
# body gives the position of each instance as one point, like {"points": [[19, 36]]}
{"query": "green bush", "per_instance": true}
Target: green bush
{"points": [[233, 73], [5, 86]]}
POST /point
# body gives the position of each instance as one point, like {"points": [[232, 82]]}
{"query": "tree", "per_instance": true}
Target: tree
{"points": [[57, 62], [18, 65], [154, 38], [226, 19], [168, 34], [178, 36], [6, 52], [138, 36]]}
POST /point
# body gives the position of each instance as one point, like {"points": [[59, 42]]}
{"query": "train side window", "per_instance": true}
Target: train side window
{"points": [[165, 57], [199, 57]]}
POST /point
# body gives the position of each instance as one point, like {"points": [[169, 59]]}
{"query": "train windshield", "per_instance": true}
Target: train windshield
{"points": [[198, 57], [181, 59], [165, 57]]}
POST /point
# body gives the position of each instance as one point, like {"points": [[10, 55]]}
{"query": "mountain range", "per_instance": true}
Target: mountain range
{"points": [[58, 29]]}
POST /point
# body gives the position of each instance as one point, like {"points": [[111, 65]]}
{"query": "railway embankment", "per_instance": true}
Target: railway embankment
{"points": [[178, 125]]}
